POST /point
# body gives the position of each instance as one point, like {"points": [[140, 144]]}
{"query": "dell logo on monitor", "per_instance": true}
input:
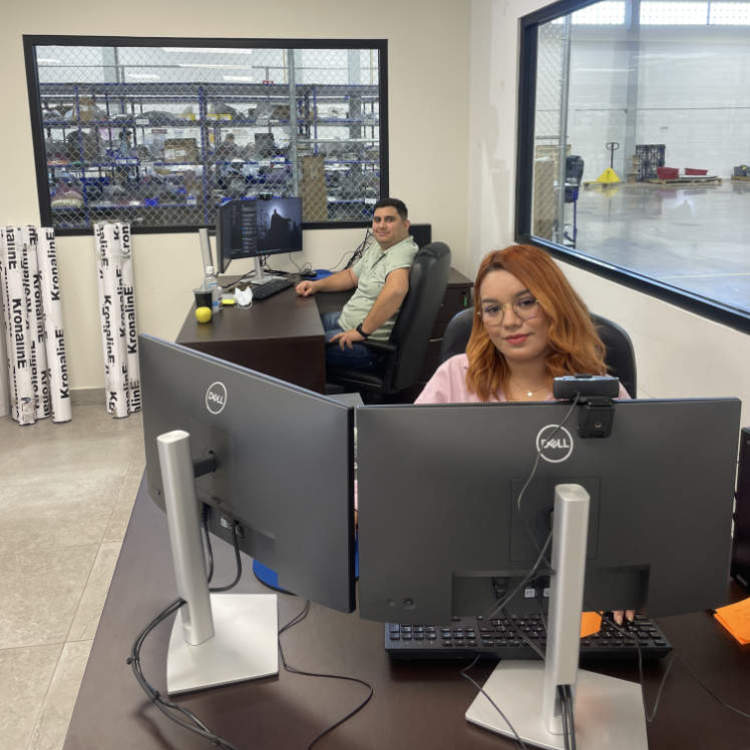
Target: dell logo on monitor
{"points": [[554, 443], [216, 397]]}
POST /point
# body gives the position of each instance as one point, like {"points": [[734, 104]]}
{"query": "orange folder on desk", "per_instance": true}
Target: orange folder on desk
{"points": [[736, 619], [591, 622]]}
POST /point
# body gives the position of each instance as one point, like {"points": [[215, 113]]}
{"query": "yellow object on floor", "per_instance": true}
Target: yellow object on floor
{"points": [[608, 176]]}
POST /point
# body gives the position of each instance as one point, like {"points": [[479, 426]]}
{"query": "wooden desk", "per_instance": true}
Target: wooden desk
{"points": [[414, 706], [281, 336]]}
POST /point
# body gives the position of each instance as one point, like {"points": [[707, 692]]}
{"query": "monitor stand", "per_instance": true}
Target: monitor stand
{"points": [[216, 638], [259, 276], [608, 711]]}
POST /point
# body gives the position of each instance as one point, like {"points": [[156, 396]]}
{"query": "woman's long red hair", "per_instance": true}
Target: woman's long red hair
{"points": [[574, 345]]}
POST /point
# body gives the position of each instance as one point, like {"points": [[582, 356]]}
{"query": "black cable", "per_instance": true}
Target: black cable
{"points": [[166, 706], [563, 698], [650, 718], [571, 717], [523, 581], [294, 670], [357, 254], [237, 560], [711, 692], [465, 675], [238, 280]]}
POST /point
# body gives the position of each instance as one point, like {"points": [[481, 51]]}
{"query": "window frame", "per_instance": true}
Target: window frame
{"points": [[528, 48], [32, 41]]}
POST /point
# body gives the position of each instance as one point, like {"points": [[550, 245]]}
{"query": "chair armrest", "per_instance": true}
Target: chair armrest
{"points": [[380, 346]]}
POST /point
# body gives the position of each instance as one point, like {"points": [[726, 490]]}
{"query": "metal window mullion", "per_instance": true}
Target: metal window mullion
{"points": [[293, 120], [562, 159]]}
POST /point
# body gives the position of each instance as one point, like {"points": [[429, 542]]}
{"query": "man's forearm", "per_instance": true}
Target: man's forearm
{"points": [[336, 282], [384, 308]]}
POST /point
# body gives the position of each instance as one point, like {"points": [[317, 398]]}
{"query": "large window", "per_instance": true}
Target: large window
{"points": [[634, 146], [159, 132]]}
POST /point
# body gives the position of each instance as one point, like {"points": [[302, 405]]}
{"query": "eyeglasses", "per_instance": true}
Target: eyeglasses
{"points": [[524, 308]]}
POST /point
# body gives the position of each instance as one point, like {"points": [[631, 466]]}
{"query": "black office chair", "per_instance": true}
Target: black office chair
{"points": [[619, 355], [404, 353]]}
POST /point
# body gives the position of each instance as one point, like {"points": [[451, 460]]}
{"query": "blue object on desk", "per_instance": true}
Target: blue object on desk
{"points": [[321, 273], [271, 578]]}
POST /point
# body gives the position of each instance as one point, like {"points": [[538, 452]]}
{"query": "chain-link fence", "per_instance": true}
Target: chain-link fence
{"points": [[547, 129], [160, 136]]}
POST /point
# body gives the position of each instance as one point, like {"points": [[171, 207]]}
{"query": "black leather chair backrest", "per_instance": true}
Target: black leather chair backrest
{"points": [[428, 279], [404, 354], [619, 356]]}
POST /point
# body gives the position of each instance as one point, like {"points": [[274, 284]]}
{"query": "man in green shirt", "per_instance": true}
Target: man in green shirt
{"points": [[381, 280]]}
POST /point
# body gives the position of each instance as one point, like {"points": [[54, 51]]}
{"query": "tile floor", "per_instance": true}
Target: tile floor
{"points": [[66, 494]]}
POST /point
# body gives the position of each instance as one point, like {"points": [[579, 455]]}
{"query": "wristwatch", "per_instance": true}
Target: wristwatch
{"points": [[359, 330]]}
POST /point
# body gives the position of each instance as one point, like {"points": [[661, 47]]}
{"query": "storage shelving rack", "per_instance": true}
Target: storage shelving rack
{"points": [[95, 172]]}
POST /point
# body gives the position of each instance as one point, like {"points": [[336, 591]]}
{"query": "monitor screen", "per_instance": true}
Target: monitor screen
{"points": [[440, 530], [251, 227], [284, 460]]}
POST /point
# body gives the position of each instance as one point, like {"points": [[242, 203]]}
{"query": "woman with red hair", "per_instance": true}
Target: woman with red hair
{"points": [[529, 327]]}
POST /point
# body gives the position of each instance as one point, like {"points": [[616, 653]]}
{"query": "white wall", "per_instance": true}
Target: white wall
{"points": [[678, 353], [428, 100]]}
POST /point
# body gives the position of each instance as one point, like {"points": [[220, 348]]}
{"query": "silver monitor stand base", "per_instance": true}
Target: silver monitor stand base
{"points": [[608, 711], [243, 646]]}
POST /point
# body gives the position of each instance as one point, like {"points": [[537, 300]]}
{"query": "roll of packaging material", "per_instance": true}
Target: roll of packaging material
{"points": [[20, 349], [113, 330], [100, 249], [35, 314], [131, 328], [9, 384], [54, 331]]}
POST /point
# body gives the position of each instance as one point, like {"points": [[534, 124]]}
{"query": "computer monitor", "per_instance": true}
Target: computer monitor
{"points": [[422, 233], [441, 533], [437, 489], [254, 227], [283, 465]]}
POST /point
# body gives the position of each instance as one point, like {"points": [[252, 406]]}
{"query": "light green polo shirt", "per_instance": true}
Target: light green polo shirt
{"points": [[371, 271]]}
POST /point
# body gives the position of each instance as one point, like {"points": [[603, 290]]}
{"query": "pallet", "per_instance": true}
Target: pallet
{"points": [[741, 179], [690, 180]]}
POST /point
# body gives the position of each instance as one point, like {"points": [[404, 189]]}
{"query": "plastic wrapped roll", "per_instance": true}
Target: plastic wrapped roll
{"points": [[101, 251], [49, 281], [17, 320], [131, 329], [113, 333], [8, 384], [35, 315]]}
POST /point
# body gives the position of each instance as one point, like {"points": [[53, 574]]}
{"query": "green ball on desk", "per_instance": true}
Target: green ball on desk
{"points": [[203, 314]]}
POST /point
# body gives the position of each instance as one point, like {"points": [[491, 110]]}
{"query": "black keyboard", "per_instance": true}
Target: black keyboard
{"points": [[499, 638], [270, 287]]}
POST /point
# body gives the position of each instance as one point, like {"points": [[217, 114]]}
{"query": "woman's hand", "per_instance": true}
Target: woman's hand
{"points": [[617, 615]]}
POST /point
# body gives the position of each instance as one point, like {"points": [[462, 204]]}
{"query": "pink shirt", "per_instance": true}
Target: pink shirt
{"points": [[448, 385]]}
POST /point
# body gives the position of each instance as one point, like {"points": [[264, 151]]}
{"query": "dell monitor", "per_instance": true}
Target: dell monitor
{"points": [[441, 529], [254, 227], [279, 463]]}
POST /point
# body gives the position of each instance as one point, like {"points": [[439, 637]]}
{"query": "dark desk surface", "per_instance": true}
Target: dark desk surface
{"points": [[274, 336], [414, 706]]}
